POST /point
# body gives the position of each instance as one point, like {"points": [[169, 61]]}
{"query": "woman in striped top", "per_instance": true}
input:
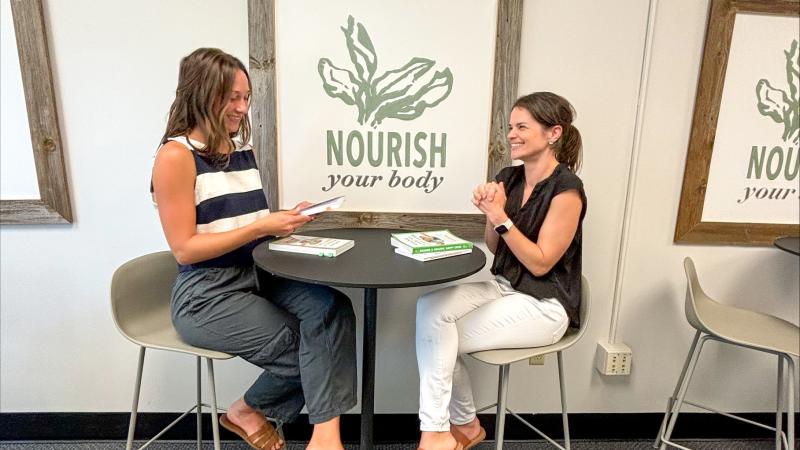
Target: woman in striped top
{"points": [[213, 211]]}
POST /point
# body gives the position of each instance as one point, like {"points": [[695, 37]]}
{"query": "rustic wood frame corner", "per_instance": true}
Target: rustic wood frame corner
{"points": [[37, 79], [689, 228], [261, 15]]}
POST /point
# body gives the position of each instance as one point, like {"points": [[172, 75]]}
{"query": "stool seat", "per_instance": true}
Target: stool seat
{"points": [[512, 355], [750, 328], [154, 329]]}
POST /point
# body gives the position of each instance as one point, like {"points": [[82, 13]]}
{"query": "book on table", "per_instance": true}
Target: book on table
{"points": [[429, 242], [312, 245], [432, 255]]}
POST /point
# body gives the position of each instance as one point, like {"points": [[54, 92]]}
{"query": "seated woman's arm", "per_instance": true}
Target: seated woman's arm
{"points": [[174, 176], [491, 237], [485, 193], [555, 235], [554, 238]]}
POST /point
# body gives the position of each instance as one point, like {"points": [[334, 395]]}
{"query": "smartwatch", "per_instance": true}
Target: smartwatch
{"points": [[504, 227]]}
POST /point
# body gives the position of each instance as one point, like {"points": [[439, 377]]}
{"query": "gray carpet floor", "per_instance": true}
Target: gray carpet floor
{"points": [[488, 445]]}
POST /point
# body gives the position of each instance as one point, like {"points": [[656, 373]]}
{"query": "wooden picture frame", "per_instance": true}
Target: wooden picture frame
{"points": [[261, 14], [690, 227], [54, 205]]}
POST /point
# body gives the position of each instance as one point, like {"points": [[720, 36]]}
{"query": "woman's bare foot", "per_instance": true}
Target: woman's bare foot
{"points": [[437, 440], [326, 436], [470, 430], [248, 419]]}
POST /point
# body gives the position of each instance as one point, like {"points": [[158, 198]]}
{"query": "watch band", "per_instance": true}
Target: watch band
{"points": [[504, 227]]}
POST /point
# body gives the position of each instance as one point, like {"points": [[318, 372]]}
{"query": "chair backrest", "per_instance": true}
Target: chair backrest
{"points": [[140, 293], [586, 304], [696, 298], [573, 335]]}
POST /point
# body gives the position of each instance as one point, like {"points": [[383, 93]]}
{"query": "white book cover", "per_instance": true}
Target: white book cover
{"points": [[432, 255], [429, 241], [312, 245]]}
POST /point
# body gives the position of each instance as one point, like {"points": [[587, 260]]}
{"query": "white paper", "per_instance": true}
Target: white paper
{"points": [[317, 208]]}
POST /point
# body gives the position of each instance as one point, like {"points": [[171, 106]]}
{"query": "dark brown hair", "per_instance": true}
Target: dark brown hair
{"points": [[550, 110], [205, 80]]}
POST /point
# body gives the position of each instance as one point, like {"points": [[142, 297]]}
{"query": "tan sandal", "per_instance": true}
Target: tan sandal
{"points": [[263, 439], [465, 442]]}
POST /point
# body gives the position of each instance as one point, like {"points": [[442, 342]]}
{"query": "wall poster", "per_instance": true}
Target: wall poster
{"points": [[399, 106], [741, 182]]}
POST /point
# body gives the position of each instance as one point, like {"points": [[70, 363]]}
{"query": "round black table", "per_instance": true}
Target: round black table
{"points": [[371, 264], [789, 244]]}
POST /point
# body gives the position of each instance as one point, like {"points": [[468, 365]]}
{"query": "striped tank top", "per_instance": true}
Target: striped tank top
{"points": [[227, 199]]}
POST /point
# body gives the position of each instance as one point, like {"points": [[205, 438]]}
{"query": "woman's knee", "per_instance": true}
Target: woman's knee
{"points": [[432, 308], [342, 308], [330, 305]]}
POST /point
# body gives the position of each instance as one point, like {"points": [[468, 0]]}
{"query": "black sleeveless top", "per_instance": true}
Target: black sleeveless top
{"points": [[563, 281]]}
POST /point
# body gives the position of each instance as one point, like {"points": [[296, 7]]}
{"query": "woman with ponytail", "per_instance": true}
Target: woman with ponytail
{"points": [[534, 214]]}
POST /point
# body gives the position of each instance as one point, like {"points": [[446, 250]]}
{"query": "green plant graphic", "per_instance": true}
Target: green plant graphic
{"points": [[777, 104], [403, 93]]}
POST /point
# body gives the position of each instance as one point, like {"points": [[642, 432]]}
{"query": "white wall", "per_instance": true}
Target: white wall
{"points": [[115, 67]]}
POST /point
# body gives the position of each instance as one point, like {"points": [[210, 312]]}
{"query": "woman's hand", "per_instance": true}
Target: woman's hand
{"points": [[284, 223], [483, 191], [491, 199]]}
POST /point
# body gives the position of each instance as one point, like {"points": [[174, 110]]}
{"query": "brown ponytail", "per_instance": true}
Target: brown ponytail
{"points": [[550, 110]]}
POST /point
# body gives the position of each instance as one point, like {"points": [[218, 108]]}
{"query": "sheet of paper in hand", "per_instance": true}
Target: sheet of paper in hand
{"points": [[317, 208]]}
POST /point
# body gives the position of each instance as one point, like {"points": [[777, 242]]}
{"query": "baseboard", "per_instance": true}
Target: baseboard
{"points": [[388, 427]]}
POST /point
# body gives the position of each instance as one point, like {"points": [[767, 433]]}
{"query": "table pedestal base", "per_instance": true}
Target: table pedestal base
{"points": [[368, 367]]}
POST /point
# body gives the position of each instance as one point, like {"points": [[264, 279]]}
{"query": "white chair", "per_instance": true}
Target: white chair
{"points": [[744, 328], [505, 357], [140, 297]]}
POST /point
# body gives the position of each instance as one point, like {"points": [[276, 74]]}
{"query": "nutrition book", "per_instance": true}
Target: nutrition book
{"points": [[429, 242], [312, 245], [432, 255]]}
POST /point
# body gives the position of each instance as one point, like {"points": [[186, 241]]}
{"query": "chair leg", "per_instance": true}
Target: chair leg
{"points": [[563, 387], [779, 406], [502, 391], [671, 401], [212, 386], [199, 407], [135, 407], [790, 401], [676, 407]]}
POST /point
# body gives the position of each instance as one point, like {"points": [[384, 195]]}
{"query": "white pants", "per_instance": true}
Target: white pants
{"points": [[467, 318]]}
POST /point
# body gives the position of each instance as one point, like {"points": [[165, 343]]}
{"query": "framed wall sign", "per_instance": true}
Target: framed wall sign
{"points": [[54, 205], [400, 107], [741, 183]]}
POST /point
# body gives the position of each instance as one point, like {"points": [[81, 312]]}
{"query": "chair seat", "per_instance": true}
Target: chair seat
{"points": [[750, 328], [512, 355], [158, 332]]}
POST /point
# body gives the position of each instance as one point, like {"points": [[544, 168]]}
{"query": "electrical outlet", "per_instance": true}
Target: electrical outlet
{"points": [[536, 360], [613, 358]]}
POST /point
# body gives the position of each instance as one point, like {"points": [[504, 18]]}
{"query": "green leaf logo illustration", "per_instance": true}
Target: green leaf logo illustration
{"points": [[777, 104], [403, 93]]}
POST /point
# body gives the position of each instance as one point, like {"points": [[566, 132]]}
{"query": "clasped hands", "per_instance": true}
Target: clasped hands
{"points": [[490, 198]]}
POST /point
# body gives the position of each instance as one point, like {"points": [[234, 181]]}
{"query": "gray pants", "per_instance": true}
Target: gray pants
{"points": [[302, 335]]}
